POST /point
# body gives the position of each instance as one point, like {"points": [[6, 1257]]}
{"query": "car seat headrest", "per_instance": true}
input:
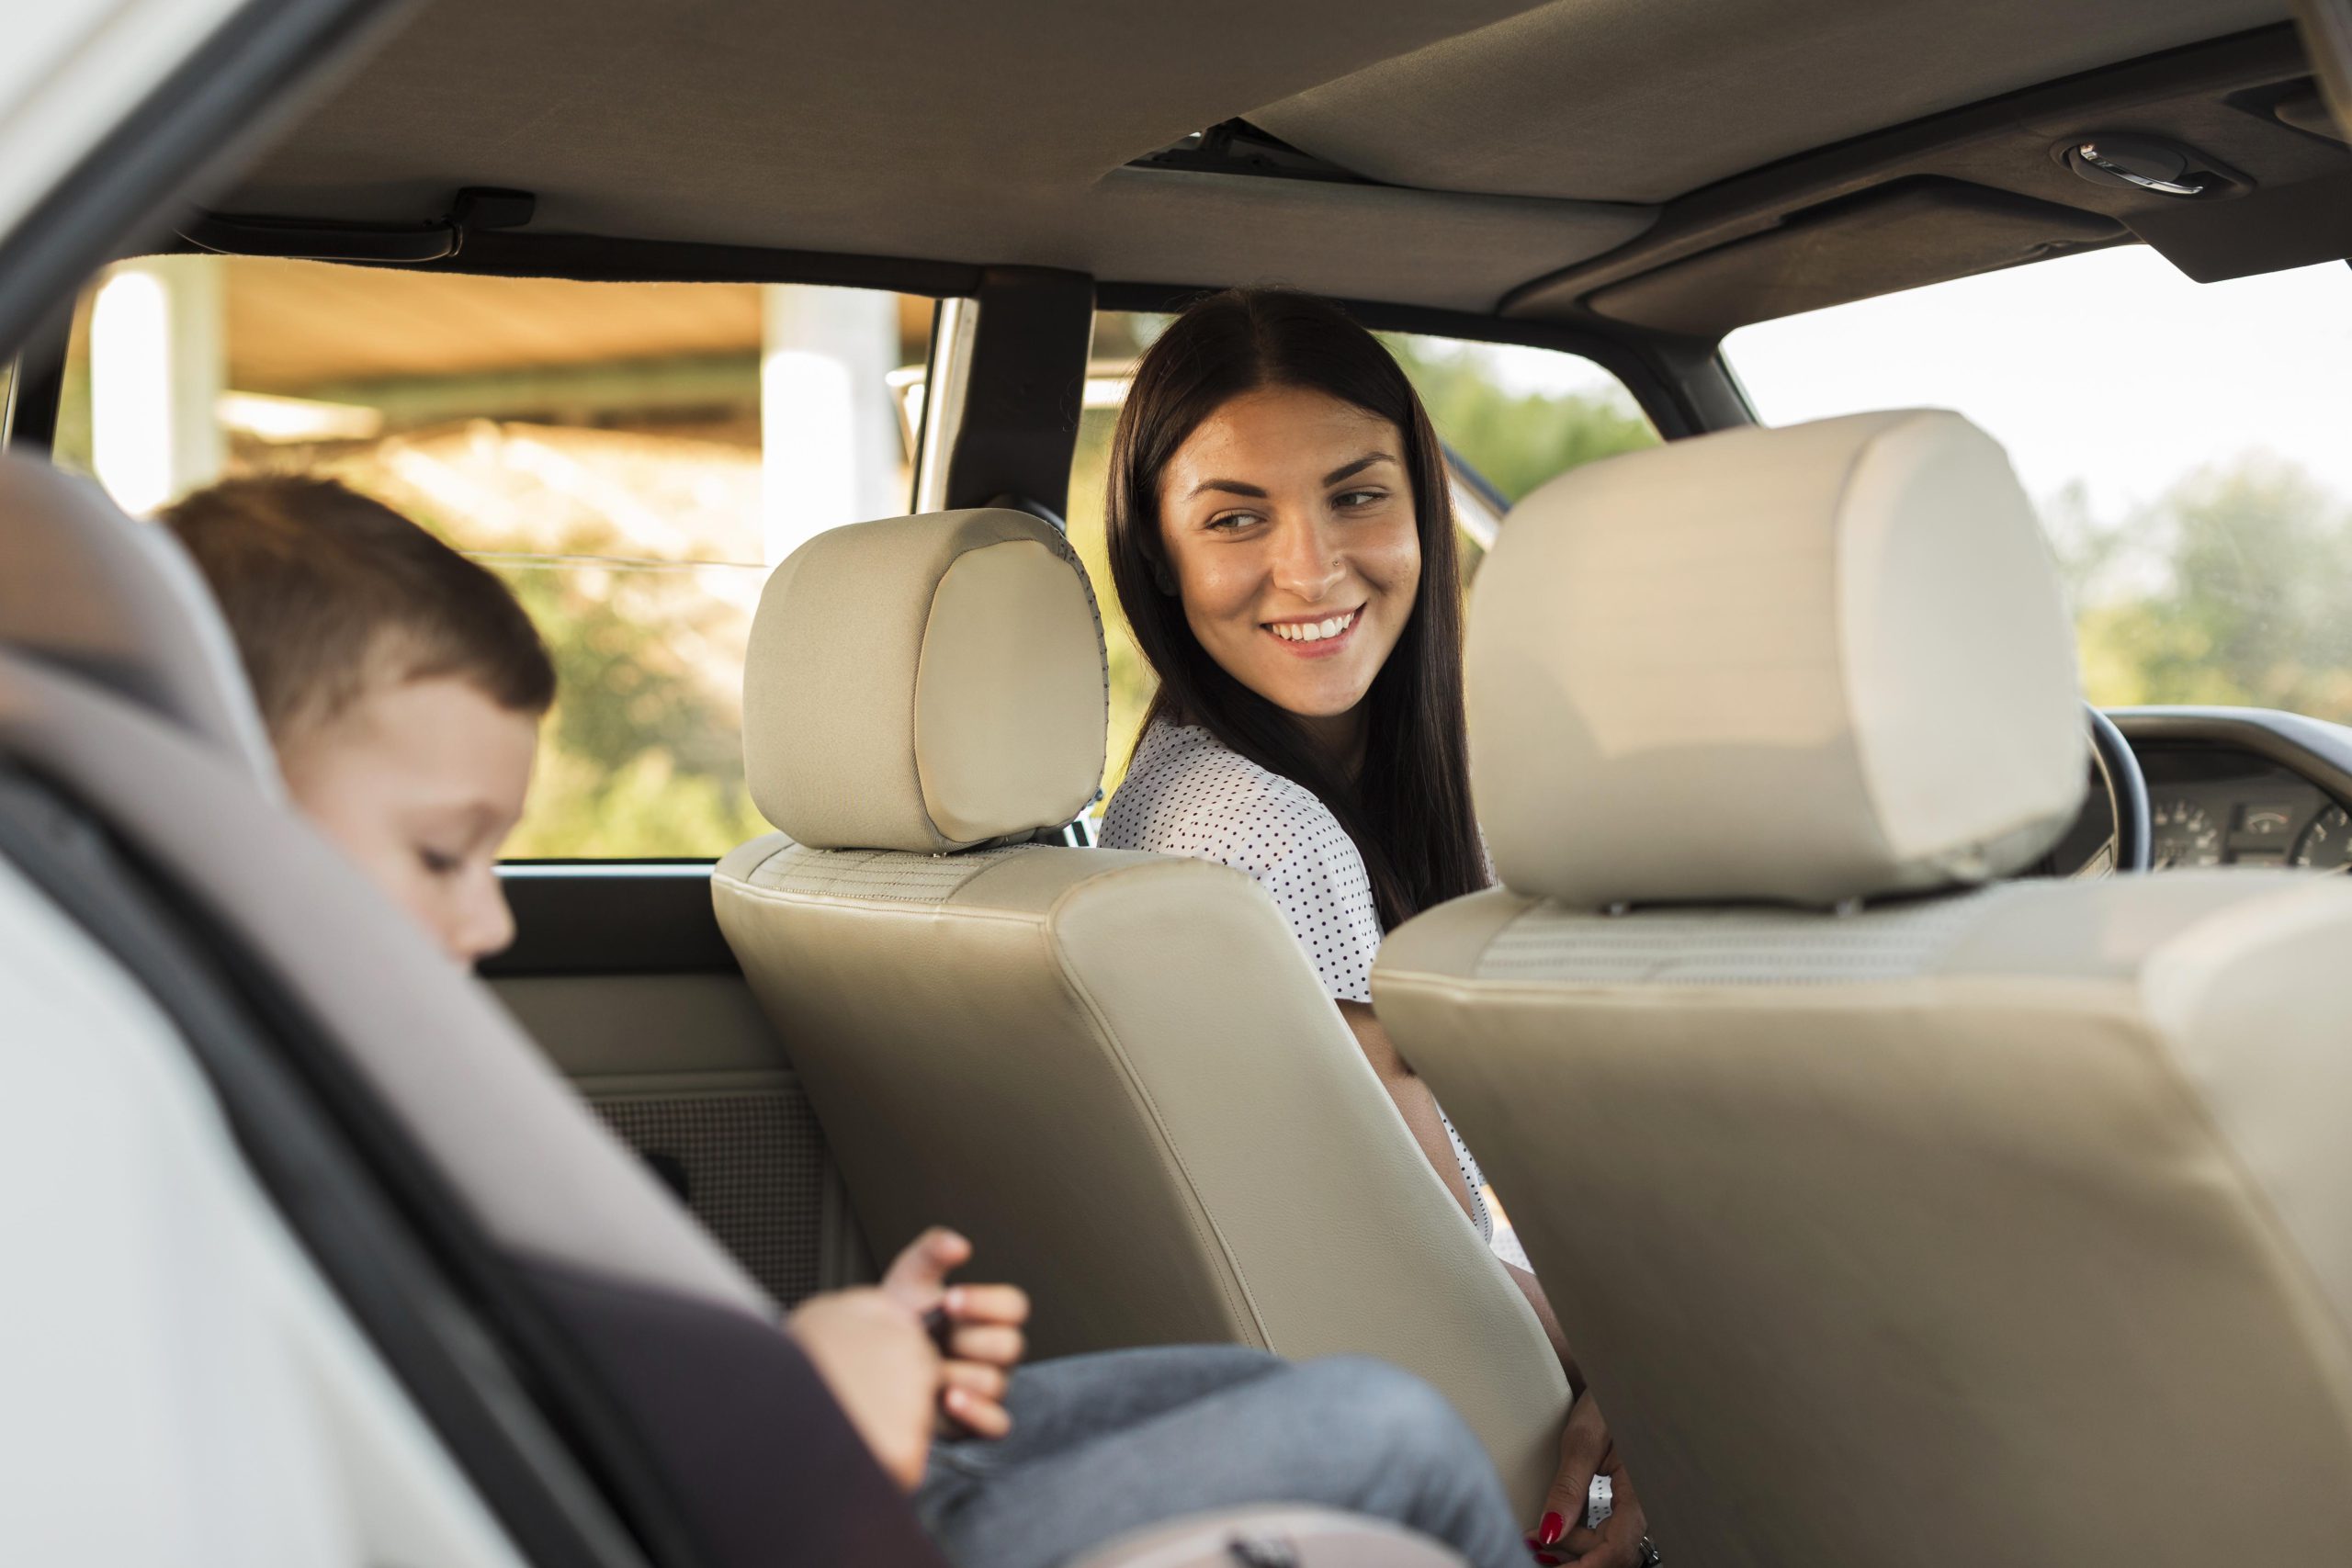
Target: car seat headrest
{"points": [[1800, 665], [118, 602], [926, 683]]}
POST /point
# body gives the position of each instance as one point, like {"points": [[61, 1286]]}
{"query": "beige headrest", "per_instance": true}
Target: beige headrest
{"points": [[926, 683], [1800, 665]]}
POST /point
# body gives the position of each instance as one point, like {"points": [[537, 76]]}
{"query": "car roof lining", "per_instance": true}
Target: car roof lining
{"points": [[1647, 100], [882, 181], [1959, 193]]}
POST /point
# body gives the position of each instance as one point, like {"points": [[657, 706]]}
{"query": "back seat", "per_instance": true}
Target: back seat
{"points": [[324, 1263]]}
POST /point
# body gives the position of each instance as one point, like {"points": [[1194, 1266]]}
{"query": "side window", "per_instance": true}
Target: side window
{"points": [[1512, 416], [630, 457]]}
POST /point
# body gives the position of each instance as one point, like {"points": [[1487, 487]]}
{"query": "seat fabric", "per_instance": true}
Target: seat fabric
{"points": [[1958, 1223], [1992, 1230], [1116, 1072]]}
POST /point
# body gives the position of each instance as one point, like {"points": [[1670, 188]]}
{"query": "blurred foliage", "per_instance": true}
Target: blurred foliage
{"points": [[2230, 588], [641, 756], [1515, 440], [1132, 683]]}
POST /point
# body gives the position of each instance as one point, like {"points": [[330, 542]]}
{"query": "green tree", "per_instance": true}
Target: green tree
{"points": [[2232, 588], [1514, 440], [641, 756]]}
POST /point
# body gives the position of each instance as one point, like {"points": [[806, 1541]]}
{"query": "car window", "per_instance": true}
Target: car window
{"points": [[2183, 441], [1516, 416], [630, 457]]}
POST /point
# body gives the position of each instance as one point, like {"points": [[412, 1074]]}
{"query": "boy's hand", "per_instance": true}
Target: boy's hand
{"points": [[978, 1328], [882, 1368]]}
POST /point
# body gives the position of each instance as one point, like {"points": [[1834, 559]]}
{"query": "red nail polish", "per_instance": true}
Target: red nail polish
{"points": [[1546, 1559], [1551, 1529]]}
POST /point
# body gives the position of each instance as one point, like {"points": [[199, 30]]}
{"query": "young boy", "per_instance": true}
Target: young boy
{"points": [[402, 687]]}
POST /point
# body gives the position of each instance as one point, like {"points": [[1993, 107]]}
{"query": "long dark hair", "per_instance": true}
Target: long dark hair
{"points": [[1408, 809]]}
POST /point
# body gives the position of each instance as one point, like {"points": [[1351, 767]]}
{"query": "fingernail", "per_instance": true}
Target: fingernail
{"points": [[1546, 1559], [954, 1298], [1551, 1529]]}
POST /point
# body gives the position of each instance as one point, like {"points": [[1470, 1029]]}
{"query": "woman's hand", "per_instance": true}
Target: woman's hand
{"points": [[1585, 1451], [883, 1369], [981, 1338]]}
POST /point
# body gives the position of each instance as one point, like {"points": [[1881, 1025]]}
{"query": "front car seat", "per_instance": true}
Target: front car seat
{"points": [[1115, 1072], [1899, 1213]]}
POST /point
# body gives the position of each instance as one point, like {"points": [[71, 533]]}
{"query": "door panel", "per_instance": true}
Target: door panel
{"points": [[682, 1064]]}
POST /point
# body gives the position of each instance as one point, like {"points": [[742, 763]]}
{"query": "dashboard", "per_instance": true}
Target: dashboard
{"points": [[2214, 807], [2243, 787]]}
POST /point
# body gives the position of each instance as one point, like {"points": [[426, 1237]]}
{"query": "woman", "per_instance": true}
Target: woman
{"points": [[1282, 541]]}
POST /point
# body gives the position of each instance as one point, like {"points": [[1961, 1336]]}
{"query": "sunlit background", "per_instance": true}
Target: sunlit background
{"points": [[2186, 444], [634, 457]]}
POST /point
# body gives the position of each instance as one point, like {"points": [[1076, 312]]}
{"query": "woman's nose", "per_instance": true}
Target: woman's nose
{"points": [[1307, 560]]}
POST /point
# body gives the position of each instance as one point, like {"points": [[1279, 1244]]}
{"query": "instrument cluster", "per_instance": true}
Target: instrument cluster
{"points": [[2212, 806]]}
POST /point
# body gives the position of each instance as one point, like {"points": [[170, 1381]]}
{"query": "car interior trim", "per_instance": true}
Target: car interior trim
{"points": [[2003, 144], [2317, 751], [1022, 388], [610, 918], [230, 97]]}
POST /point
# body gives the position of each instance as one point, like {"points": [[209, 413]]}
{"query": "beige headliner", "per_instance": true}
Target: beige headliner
{"points": [[1642, 100], [981, 133]]}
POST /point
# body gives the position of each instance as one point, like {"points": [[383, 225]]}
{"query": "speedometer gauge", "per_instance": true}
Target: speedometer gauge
{"points": [[2326, 844], [2183, 835]]}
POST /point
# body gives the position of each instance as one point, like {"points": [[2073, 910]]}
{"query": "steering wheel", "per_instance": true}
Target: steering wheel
{"points": [[2129, 847]]}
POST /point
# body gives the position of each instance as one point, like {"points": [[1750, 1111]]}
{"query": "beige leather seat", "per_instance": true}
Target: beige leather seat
{"points": [[1116, 1072], [1900, 1215]]}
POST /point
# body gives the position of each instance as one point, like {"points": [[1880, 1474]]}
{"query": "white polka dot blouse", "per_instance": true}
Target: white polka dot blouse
{"points": [[1186, 795]]}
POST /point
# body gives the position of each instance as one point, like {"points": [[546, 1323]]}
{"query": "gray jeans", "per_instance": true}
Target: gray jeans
{"points": [[1106, 1444]]}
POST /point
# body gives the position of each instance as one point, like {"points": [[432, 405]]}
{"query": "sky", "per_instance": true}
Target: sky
{"points": [[2112, 370]]}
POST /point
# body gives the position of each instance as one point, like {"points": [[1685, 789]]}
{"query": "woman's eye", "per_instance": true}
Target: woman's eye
{"points": [[1355, 500], [436, 863], [1231, 522]]}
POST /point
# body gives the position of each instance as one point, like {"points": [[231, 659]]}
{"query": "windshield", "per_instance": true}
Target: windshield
{"points": [[2186, 444]]}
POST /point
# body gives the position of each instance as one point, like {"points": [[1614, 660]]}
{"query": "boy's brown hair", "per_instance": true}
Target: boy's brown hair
{"points": [[329, 594]]}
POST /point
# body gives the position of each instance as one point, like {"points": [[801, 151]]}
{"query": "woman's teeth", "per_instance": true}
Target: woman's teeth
{"points": [[1313, 631]]}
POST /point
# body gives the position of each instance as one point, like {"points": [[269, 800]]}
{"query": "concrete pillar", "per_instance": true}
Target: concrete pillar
{"points": [[158, 363], [829, 433]]}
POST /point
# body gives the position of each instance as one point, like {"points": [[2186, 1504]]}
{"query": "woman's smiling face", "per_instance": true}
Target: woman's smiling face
{"points": [[1287, 519]]}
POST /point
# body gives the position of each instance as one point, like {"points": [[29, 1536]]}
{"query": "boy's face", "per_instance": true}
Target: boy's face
{"points": [[420, 782]]}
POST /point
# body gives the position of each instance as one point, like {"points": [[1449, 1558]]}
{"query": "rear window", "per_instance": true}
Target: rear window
{"points": [[630, 457]]}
